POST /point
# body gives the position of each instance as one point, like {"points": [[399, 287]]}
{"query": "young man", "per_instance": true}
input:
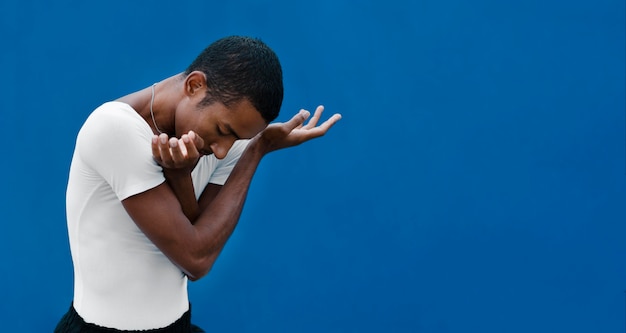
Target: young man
{"points": [[158, 181]]}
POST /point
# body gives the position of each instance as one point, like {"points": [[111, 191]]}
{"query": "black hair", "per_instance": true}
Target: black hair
{"points": [[239, 68]]}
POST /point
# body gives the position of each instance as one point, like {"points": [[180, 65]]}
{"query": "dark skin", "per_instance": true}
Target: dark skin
{"points": [[192, 233]]}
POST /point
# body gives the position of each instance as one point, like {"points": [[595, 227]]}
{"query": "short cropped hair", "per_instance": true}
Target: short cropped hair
{"points": [[239, 68]]}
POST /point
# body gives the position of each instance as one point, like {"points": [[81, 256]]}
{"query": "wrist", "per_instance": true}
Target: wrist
{"points": [[256, 148], [176, 173]]}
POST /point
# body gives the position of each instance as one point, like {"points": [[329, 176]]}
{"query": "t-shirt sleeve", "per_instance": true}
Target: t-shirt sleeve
{"points": [[225, 166], [116, 143]]}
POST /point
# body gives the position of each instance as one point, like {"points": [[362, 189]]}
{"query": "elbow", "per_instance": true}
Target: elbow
{"points": [[195, 275], [197, 258], [199, 267]]}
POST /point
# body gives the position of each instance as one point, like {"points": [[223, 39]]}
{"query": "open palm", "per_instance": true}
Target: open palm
{"points": [[295, 131]]}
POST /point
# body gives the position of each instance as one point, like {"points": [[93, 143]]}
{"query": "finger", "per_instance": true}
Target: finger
{"points": [[307, 116], [164, 148], [182, 145], [325, 126], [316, 117], [197, 140], [297, 120], [191, 152], [331, 121], [155, 148], [176, 151]]}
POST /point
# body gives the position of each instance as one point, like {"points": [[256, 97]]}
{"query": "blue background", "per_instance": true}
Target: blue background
{"points": [[477, 182]]}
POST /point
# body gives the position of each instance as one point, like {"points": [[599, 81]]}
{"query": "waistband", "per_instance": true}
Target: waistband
{"points": [[72, 322]]}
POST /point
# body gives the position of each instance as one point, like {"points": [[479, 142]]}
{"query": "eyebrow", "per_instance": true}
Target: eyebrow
{"points": [[230, 129]]}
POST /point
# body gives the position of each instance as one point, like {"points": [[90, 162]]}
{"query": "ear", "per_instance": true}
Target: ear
{"points": [[195, 83]]}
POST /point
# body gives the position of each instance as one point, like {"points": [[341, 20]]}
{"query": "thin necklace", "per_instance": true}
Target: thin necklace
{"points": [[152, 113]]}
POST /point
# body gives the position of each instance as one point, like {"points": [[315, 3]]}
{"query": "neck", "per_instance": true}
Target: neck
{"points": [[163, 105], [156, 127]]}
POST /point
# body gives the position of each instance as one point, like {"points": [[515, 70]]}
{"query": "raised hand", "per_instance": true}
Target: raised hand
{"points": [[294, 132], [177, 154]]}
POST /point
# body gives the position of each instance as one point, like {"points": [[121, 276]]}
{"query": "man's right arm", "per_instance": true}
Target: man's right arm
{"points": [[195, 247]]}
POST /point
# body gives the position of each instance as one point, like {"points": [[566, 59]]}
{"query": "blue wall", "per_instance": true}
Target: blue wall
{"points": [[477, 182]]}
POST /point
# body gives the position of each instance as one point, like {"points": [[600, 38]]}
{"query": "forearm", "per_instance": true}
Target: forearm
{"points": [[217, 222], [182, 185], [178, 157]]}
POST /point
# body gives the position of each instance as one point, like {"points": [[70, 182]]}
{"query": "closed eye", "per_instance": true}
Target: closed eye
{"points": [[232, 132], [228, 132]]}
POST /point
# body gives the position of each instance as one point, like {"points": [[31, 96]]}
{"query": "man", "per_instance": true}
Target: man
{"points": [[158, 181]]}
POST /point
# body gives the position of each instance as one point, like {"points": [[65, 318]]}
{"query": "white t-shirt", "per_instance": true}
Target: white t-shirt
{"points": [[121, 279]]}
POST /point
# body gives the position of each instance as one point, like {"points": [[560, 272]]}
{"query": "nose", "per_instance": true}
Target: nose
{"points": [[220, 148]]}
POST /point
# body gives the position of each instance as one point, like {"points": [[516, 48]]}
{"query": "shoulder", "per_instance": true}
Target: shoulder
{"points": [[115, 117], [115, 111], [114, 125]]}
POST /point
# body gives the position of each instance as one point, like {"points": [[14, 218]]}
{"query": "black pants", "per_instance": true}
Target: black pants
{"points": [[72, 322]]}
